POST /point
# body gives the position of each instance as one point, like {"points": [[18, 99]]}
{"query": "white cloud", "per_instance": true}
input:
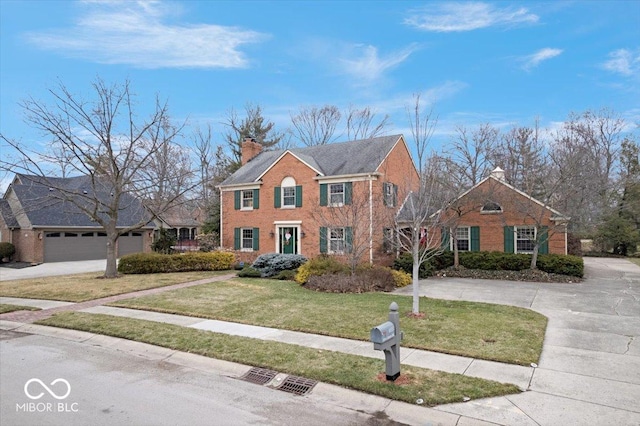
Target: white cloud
{"points": [[133, 33], [532, 61], [454, 16], [365, 64], [623, 61]]}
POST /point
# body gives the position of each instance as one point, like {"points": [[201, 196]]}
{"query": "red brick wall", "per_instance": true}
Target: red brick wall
{"points": [[397, 168], [516, 211]]}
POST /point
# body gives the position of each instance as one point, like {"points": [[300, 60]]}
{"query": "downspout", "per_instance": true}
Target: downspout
{"points": [[370, 220], [221, 233]]}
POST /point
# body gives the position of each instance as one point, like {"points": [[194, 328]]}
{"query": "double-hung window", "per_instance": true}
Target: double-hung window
{"points": [[336, 194], [247, 239], [336, 240], [247, 199], [390, 194], [289, 196], [463, 238], [525, 239]]}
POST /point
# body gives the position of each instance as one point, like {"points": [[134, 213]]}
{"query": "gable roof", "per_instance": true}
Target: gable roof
{"points": [[45, 201], [492, 176], [335, 159]]}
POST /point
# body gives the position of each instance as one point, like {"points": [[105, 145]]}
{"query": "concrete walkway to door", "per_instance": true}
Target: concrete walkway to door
{"points": [[589, 371]]}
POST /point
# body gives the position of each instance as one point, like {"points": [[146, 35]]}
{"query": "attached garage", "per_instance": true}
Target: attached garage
{"points": [[65, 246]]}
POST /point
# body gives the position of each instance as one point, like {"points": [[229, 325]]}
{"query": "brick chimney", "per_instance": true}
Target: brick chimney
{"points": [[250, 148]]}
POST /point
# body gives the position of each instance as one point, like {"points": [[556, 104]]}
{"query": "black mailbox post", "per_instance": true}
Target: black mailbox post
{"points": [[386, 337]]}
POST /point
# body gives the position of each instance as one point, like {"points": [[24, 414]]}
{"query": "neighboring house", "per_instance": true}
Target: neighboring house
{"points": [[495, 216], [44, 227], [184, 222], [336, 198]]}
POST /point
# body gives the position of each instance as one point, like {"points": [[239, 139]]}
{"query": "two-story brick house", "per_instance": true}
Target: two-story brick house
{"points": [[495, 216], [336, 198]]}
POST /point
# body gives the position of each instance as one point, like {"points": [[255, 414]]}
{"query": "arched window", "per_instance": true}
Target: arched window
{"points": [[491, 207], [288, 192]]}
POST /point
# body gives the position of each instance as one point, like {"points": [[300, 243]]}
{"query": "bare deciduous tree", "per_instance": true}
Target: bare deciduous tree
{"points": [[360, 124], [316, 126], [123, 158], [416, 221], [470, 152]]}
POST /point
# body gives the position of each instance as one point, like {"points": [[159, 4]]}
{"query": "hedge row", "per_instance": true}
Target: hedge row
{"points": [[150, 263], [495, 261]]}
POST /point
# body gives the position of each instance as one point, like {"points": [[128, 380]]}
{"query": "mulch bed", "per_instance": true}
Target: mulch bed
{"points": [[526, 275]]}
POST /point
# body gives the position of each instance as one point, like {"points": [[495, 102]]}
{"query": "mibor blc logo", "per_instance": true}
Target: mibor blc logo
{"points": [[36, 389]]}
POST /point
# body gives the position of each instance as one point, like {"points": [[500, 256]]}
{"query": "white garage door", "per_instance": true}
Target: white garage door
{"points": [[64, 246]]}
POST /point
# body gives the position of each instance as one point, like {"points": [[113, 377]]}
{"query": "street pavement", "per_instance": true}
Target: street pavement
{"points": [[589, 372]]}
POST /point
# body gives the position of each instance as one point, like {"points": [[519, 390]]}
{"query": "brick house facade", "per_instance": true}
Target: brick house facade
{"points": [[495, 216], [336, 198]]}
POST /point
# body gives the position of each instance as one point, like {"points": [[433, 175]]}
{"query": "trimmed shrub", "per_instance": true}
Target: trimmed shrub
{"points": [[401, 278], [405, 263], [366, 279], [249, 272], [318, 266], [7, 250], [272, 264], [559, 264], [150, 263], [164, 242], [494, 261]]}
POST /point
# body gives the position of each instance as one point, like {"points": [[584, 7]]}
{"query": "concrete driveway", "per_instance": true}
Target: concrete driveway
{"points": [[589, 372], [51, 269]]}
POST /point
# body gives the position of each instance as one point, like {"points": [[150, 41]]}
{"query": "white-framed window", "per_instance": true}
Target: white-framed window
{"points": [[463, 238], [247, 239], [336, 194], [336, 240], [247, 199], [491, 207], [288, 196], [525, 239]]}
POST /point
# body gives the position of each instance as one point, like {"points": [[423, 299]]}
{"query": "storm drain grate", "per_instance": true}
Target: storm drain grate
{"points": [[259, 376], [297, 385]]}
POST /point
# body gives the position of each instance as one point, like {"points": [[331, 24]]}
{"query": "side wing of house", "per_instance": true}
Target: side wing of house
{"points": [[495, 217]]}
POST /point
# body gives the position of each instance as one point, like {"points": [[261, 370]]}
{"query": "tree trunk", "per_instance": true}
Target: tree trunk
{"points": [[534, 257], [416, 272], [111, 270]]}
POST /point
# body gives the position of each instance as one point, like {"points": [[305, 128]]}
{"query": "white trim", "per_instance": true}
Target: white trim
{"points": [[291, 224], [287, 222], [240, 187], [515, 238], [360, 177], [371, 222], [280, 158]]}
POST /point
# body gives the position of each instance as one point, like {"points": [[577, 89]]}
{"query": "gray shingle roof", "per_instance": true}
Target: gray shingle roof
{"points": [[46, 206], [7, 215], [344, 158]]}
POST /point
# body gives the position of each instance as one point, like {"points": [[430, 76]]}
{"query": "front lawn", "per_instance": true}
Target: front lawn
{"points": [[4, 308], [479, 330], [351, 371], [89, 286]]}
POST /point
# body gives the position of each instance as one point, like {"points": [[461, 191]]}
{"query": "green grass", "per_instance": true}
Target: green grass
{"points": [[479, 330], [635, 260], [89, 286], [4, 308], [351, 371]]}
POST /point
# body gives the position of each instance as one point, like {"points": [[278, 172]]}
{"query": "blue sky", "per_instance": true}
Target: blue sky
{"points": [[503, 63]]}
